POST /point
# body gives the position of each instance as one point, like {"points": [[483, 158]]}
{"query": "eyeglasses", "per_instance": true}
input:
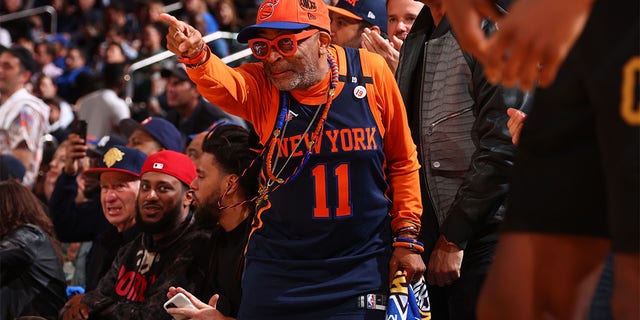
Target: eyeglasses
{"points": [[286, 44]]}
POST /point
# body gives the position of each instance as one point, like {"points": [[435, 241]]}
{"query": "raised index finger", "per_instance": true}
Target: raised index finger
{"points": [[171, 20]]}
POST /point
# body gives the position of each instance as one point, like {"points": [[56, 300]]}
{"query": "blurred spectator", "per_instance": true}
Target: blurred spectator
{"points": [[5, 37], [227, 16], [60, 114], [152, 135], [61, 45], [31, 279], [86, 25], [152, 39], [149, 11], [76, 252], [44, 54], [67, 18], [17, 28], [50, 145], [401, 16], [194, 149], [188, 111], [24, 119], [103, 109], [111, 52], [11, 168], [349, 19], [117, 15], [76, 80], [58, 129], [122, 27], [147, 82], [115, 53], [24, 39], [247, 11], [196, 12]]}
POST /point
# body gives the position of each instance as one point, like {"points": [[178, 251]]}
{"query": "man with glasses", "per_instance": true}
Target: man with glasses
{"points": [[340, 175]]}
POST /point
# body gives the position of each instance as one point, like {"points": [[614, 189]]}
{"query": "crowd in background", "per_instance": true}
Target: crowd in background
{"points": [[83, 71], [78, 71]]}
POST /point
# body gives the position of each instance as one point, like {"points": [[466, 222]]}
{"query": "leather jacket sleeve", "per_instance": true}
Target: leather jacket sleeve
{"points": [[487, 182], [15, 248]]}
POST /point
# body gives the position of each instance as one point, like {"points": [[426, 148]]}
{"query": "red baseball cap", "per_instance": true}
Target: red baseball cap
{"points": [[288, 15], [175, 164]]}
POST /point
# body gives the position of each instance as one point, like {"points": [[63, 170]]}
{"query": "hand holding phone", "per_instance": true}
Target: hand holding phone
{"points": [[80, 128], [178, 301], [76, 149]]}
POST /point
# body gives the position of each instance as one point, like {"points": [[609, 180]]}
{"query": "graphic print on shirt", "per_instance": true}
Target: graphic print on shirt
{"points": [[132, 284]]}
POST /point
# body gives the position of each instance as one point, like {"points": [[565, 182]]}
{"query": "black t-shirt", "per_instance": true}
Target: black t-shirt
{"points": [[225, 269]]}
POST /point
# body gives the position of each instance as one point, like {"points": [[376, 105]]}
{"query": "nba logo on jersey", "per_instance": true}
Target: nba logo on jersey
{"points": [[371, 301]]}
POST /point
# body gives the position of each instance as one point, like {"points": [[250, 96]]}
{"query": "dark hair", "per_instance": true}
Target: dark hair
{"points": [[24, 56], [19, 206], [367, 24], [49, 47], [233, 148], [54, 102]]}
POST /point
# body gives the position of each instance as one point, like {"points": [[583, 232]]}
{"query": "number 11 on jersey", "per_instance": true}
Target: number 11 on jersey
{"points": [[321, 209]]}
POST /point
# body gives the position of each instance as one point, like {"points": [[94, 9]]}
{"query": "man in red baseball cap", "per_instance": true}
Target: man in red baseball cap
{"points": [[135, 287]]}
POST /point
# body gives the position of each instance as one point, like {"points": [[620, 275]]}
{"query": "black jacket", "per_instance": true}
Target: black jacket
{"points": [[104, 251], [75, 222], [458, 121], [31, 279], [136, 285]]}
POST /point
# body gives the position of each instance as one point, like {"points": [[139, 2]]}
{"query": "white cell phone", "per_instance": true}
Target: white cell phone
{"points": [[178, 301]]}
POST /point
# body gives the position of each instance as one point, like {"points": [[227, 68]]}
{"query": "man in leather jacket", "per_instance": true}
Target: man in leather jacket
{"points": [[458, 120]]}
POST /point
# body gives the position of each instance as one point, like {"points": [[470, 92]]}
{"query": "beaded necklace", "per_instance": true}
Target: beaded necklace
{"points": [[278, 133]]}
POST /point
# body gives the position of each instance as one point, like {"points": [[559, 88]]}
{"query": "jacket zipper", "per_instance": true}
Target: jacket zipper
{"points": [[447, 117], [424, 159]]}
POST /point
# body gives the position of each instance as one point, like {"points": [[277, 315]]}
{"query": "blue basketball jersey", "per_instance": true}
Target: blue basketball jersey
{"points": [[323, 238]]}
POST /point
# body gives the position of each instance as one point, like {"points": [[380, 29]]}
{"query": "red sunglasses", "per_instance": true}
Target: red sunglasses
{"points": [[286, 44]]}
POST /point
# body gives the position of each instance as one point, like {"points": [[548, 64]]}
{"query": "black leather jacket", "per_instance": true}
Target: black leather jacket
{"points": [[31, 279], [458, 121]]}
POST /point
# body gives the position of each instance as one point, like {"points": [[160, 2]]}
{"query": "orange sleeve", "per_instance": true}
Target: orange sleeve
{"points": [[244, 91], [401, 158]]}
